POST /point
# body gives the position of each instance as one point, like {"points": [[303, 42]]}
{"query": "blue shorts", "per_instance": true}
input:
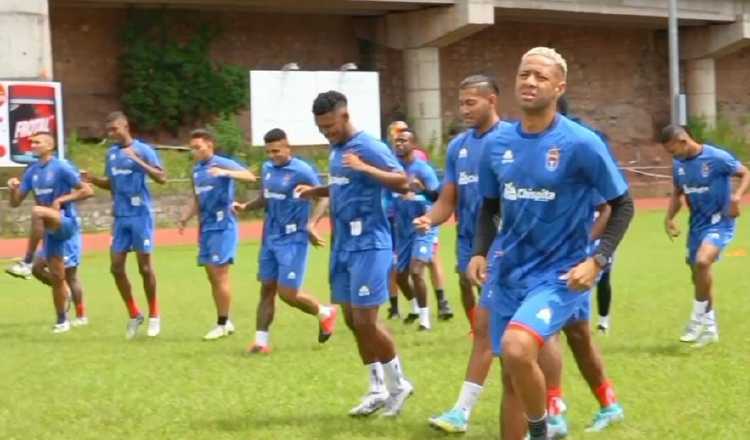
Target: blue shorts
{"points": [[542, 311], [134, 233], [54, 241], [283, 263], [419, 247], [719, 237], [464, 253], [360, 278], [72, 250], [582, 312], [218, 248]]}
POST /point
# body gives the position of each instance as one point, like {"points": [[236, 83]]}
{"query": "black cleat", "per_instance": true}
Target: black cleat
{"points": [[422, 328], [393, 314], [411, 317], [444, 310]]}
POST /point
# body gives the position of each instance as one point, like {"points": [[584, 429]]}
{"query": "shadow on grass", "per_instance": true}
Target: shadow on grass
{"points": [[669, 349]]}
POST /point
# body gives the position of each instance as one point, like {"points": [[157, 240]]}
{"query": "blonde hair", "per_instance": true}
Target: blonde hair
{"points": [[550, 54]]}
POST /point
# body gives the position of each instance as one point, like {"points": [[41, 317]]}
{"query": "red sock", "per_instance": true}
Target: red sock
{"points": [[606, 394], [153, 307], [132, 307], [80, 310], [554, 398], [471, 315]]}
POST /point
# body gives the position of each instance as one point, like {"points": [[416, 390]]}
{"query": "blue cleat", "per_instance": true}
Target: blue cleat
{"points": [[451, 421], [557, 427], [607, 416]]}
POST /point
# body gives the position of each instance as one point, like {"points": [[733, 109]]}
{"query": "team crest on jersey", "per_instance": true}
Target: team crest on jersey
{"points": [[552, 160], [286, 179], [705, 169], [463, 152]]}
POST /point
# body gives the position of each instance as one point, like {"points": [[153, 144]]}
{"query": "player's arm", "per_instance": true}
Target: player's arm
{"points": [[190, 210], [240, 174], [622, 211], [486, 230], [393, 180], [601, 221], [257, 203], [81, 191], [99, 182], [17, 193], [308, 192], [441, 210], [744, 175], [319, 210], [675, 204], [154, 171]]}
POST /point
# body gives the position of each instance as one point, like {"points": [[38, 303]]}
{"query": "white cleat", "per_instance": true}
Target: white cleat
{"points": [[706, 338], [692, 331], [20, 270], [61, 328], [371, 403], [80, 322], [219, 331], [154, 327], [132, 329], [396, 401]]}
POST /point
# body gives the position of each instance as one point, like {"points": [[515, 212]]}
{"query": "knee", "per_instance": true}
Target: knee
{"points": [[362, 326], [37, 212], [288, 296], [117, 269], [517, 349], [349, 322], [146, 270], [703, 263], [575, 334], [57, 277]]}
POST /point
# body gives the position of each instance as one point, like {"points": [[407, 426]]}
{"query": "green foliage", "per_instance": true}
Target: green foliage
{"points": [[724, 134], [230, 139], [169, 82]]}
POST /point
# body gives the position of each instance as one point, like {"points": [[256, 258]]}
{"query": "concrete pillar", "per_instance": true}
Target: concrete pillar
{"points": [[422, 78], [25, 43], [700, 88]]}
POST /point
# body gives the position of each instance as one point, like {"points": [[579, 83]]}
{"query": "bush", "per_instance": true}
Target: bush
{"points": [[723, 135]]}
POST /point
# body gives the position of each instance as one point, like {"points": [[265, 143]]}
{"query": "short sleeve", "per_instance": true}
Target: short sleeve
{"points": [[107, 167], [26, 181], [150, 156], [308, 175], [599, 169], [378, 155], [488, 183], [727, 163], [70, 175], [450, 164], [429, 178]]}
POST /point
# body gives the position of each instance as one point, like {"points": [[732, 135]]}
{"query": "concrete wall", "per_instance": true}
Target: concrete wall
{"points": [[732, 90]]}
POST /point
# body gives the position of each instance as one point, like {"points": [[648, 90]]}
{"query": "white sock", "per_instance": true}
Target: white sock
{"points": [[468, 397], [709, 320], [261, 338], [699, 309], [324, 312], [414, 306], [604, 321], [377, 381], [424, 316], [394, 377]]}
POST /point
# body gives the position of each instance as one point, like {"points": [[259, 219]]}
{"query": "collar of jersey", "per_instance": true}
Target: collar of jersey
{"points": [[525, 135], [341, 145], [475, 133]]}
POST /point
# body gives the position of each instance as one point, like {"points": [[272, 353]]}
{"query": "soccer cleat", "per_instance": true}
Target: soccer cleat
{"points": [[453, 421], [444, 310], [219, 331], [411, 317], [80, 321], [372, 402], [706, 337], [20, 270], [154, 326], [423, 328], [692, 331], [326, 326], [603, 328], [393, 314], [605, 417], [557, 427], [132, 329], [396, 401], [62, 327], [258, 349]]}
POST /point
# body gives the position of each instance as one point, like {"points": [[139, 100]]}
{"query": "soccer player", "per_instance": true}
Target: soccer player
{"points": [[23, 268], [213, 196], [702, 174], [361, 170], [542, 268], [415, 250], [128, 163], [56, 186], [477, 100], [288, 227]]}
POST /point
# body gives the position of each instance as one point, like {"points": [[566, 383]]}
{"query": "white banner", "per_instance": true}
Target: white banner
{"points": [[27, 107], [283, 99]]}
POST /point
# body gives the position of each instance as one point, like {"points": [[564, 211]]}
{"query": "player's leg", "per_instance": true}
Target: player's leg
{"points": [[604, 300], [216, 254], [76, 291], [59, 290], [419, 284], [22, 269], [468, 300], [513, 424], [143, 242], [591, 365], [708, 253], [403, 277], [437, 278], [393, 312], [122, 243], [551, 363], [263, 318]]}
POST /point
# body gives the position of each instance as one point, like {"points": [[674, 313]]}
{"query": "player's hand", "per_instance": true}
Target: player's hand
{"points": [[181, 226], [408, 196], [238, 207], [734, 206], [582, 277], [217, 172], [14, 183], [130, 153], [671, 229], [304, 191], [353, 161], [477, 270], [423, 224], [416, 185], [55, 204], [314, 237]]}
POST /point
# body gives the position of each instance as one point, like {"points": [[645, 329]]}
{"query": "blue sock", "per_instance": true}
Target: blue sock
{"points": [[61, 318]]}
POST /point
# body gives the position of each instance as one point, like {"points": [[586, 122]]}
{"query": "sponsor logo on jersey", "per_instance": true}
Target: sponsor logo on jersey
{"points": [[545, 315], [508, 157], [273, 195], [121, 171], [680, 171], [463, 152], [338, 180], [695, 189], [43, 191], [363, 291], [510, 192], [203, 189], [465, 178]]}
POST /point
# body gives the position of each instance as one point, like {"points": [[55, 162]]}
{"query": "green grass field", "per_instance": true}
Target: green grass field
{"points": [[93, 384]]}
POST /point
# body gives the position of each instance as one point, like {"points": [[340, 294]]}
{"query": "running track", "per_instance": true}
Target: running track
{"points": [[252, 230]]}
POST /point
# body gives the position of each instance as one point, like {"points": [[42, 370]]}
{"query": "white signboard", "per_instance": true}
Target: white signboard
{"points": [[283, 99], [27, 107]]}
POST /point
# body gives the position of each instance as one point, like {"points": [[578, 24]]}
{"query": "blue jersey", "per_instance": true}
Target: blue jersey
{"points": [[130, 193], [407, 207], [50, 181], [706, 181], [215, 194], [543, 181], [357, 209], [462, 170], [286, 214]]}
